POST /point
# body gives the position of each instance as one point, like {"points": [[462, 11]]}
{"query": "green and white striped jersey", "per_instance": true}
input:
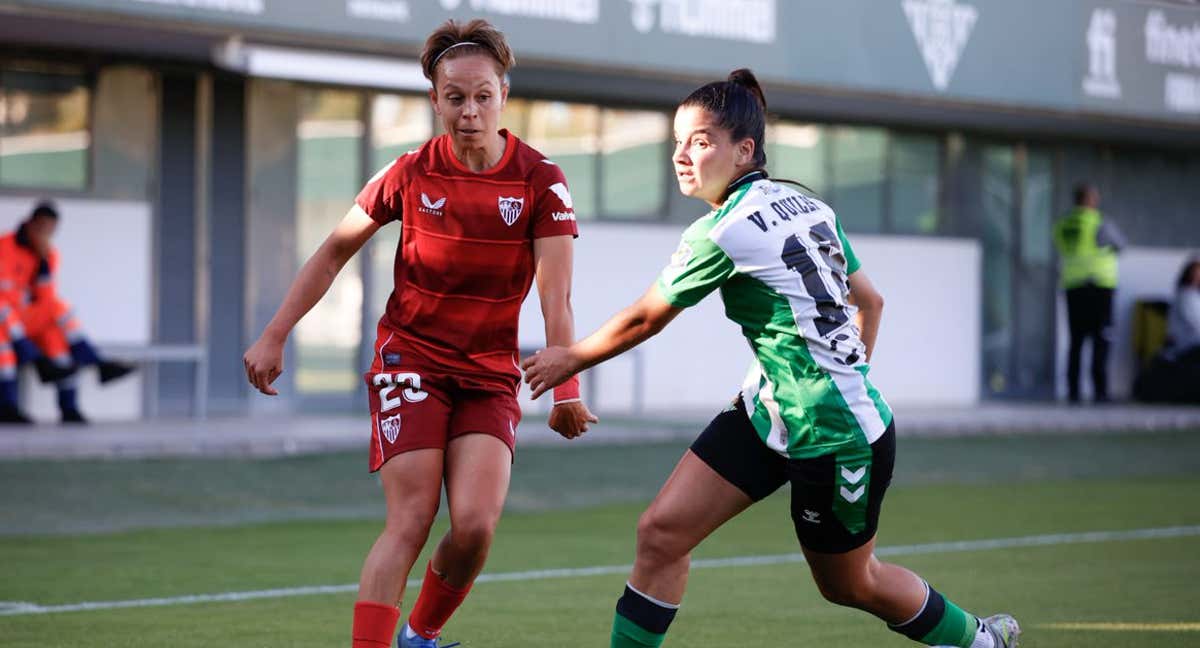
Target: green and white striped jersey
{"points": [[781, 261]]}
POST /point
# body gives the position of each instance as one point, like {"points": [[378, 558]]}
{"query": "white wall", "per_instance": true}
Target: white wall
{"points": [[928, 349], [105, 274], [1145, 274]]}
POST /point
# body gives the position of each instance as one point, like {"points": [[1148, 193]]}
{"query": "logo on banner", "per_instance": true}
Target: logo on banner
{"points": [[576, 11], [396, 11], [1177, 46], [252, 7], [510, 209], [1167, 44], [742, 20], [1101, 80], [942, 29]]}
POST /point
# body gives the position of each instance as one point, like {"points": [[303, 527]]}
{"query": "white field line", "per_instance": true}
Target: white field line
{"points": [[1183, 626], [24, 608]]}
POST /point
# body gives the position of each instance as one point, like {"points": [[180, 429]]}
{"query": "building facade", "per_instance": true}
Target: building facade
{"points": [[202, 149]]}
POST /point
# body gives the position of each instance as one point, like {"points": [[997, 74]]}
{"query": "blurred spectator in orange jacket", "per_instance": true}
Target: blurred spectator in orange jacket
{"points": [[38, 326]]}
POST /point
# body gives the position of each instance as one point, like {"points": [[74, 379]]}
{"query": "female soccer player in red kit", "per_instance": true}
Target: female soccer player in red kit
{"points": [[481, 215]]}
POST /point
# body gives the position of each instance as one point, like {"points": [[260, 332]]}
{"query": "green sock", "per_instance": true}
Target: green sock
{"points": [[640, 621], [627, 634], [957, 628], [940, 623]]}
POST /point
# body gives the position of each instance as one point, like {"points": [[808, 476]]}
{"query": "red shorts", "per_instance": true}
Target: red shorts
{"points": [[415, 406]]}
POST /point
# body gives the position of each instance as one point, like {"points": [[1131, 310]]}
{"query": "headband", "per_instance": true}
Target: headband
{"points": [[433, 66]]}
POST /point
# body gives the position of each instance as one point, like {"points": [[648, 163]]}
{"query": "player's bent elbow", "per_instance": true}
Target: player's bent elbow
{"points": [[877, 302], [869, 301]]}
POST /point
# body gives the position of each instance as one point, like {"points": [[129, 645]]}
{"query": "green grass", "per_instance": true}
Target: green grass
{"points": [[946, 490]]}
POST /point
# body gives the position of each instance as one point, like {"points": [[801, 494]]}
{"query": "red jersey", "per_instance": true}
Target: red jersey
{"points": [[465, 260]]}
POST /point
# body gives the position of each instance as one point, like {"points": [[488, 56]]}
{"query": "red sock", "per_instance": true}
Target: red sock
{"points": [[435, 604], [374, 624]]}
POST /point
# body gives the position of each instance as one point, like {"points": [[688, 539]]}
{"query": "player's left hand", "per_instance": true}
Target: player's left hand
{"points": [[571, 419], [548, 369]]}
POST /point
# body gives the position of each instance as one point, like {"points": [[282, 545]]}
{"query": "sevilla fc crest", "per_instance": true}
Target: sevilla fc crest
{"points": [[390, 427], [510, 209]]}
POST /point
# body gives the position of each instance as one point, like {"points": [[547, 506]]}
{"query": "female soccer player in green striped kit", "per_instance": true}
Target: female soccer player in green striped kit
{"points": [[806, 414]]}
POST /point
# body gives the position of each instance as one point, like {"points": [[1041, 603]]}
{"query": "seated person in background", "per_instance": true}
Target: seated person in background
{"points": [[28, 262], [17, 349], [1174, 375], [1183, 323]]}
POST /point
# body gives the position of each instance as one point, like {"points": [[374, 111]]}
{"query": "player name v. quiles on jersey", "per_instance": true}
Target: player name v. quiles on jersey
{"points": [[781, 261], [465, 259]]}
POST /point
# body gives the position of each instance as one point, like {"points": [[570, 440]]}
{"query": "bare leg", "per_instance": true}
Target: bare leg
{"points": [[412, 486], [478, 468], [858, 579], [693, 503]]}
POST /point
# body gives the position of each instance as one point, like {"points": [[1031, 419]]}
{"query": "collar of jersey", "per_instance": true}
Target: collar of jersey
{"points": [[749, 178], [510, 147], [753, 176]]}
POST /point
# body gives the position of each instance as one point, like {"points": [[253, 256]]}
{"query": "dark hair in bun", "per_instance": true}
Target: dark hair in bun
{"points": [[739, 106]]}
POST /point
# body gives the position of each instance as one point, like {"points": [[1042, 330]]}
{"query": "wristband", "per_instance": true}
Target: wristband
{"points": [[567, 392]]}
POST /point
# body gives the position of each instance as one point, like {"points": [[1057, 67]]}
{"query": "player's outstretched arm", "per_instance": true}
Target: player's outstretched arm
{"points": [[264, 359], [870, 308], [637, 323], [553, 260]]}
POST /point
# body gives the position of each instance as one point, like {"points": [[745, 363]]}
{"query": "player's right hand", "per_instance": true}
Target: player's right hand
{"points": [[571, 419], [264, 363]]}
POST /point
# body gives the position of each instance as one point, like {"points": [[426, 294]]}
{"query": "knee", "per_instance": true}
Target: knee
{"points": [[473, 533], [658, 541], [410, 530]]}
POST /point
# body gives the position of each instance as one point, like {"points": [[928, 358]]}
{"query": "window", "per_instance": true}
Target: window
{"points": [[876, 180], [1033, 300], [997, 203], [859, 172], [44, 128], [798, 152], [329, 174], [913, 184], [399, 124], [568, 134], [633, 163], [514, 118]]}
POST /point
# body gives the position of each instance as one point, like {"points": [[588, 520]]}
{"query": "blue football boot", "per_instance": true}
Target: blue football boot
{"points": [[409, 639]]}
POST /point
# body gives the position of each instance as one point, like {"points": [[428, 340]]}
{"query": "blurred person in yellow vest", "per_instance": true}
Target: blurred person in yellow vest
{"points": [[1087, 247]]}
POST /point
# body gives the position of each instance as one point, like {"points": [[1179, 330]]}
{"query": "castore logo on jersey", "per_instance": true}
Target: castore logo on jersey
{"points": [[433, 207]]}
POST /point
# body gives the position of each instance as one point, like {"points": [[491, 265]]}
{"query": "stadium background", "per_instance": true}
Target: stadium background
{"points": [[202, 148]]}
